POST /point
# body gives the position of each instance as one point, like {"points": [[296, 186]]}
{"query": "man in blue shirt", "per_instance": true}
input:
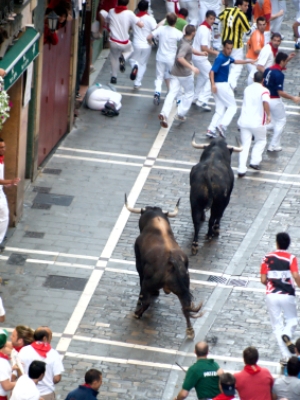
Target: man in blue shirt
{"points": [[222, 92], [273, 80], [88, 391]]}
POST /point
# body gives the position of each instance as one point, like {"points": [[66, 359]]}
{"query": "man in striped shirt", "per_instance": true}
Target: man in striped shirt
{"points": [[278, 271], [235, 24]]}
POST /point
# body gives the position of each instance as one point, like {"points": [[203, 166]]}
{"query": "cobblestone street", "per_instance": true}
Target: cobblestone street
{"points": [[70, 263]]}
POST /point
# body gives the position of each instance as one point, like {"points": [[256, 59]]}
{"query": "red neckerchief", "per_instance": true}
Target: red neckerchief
{"points": [[41, 348], [180, 16], [274, 50], [141, 13], [206, 24], [223, 396], [278, 67], [119, 9], [1, 159], [252, 369], [86, 385], [18, 348], [2, 355]]}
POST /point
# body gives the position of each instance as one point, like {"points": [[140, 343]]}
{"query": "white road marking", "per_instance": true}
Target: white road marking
{"points": [[104, 153], [49, 253], [99, 160]]}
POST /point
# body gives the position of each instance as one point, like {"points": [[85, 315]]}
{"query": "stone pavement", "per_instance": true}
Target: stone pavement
{"points": [[69, 264]]}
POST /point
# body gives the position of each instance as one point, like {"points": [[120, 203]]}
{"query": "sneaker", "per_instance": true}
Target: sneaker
{"points": [[122, 63], [289, 344], [198, 103], [297, 46], [163, 121], [206, 107], [241, 174], [156, 99], [221, 131], [256, 167], [134, 72], [113, 80], [180, 118], [283, 361], [274, 148], [211, 134], [178, 102], [136, 87]]}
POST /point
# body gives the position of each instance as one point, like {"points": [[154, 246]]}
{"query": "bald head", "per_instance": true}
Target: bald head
{"points": [[43, 334], [201, 349]]}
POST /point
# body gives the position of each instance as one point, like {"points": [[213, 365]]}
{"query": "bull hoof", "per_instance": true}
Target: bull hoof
{"points": [[194, 248], [208, 237], [190, 333], [136, 315]]}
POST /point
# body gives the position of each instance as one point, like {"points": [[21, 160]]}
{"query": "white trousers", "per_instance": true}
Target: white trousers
{"points": [[176, 83], [277, 303], [162, 72], [278, 120], [235, 69], [4, 215], [225, 106], [116, 49], [297, 7], [140, 57], [217, 26], [170, 7], [257, 149], [203, 85], [251, 69], [277, 5], [192, 7], [99, 97]]}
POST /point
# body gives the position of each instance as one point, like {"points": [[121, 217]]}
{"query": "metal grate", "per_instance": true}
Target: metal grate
{"points": [[40, 206], [35, 235], [237, 282], [53, 199], [52, 171], [17, 259], [65, 282], [41, 189], [217, 279]]}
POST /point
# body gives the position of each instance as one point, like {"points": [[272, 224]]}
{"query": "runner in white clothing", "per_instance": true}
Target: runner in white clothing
{"points": [[120, 19], [142, 48], [202, 42], [26, 386], [212, 5], [255, 115], [4, 211], [168, 37]]}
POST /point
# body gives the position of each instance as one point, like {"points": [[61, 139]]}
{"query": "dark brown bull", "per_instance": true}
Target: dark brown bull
{"points": [[161, 264]]}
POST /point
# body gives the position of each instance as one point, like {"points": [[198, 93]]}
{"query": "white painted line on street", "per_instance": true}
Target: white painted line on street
{"points": [[49, 253], [99, 160], [104, 153], [112, 241], [58, 263]]}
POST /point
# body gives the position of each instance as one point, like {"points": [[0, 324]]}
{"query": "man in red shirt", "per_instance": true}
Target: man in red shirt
{"points": [[279, 269], [253, 382]]}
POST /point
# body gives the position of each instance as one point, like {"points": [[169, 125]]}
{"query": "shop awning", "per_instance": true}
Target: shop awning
{"points": [[19, 56]]}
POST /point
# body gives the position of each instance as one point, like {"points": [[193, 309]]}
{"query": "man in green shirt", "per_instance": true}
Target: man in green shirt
{"points": [[181, 21], [203, 376]]}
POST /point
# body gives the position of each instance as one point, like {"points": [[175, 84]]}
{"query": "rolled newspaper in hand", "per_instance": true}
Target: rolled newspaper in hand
{"points": [[14, 359]]}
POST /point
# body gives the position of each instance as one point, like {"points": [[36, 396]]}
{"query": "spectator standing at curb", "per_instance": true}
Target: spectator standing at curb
{"points": [[253, 381], [6, 385], [278, 270], [288, 387], [203, 376], [2, 311], [227, 387], [120, 19], [90, 390]]}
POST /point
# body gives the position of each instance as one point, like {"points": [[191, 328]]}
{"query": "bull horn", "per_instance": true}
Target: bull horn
{"points": [[131, 209], [175, 212], [198, 146], [237, 149]]}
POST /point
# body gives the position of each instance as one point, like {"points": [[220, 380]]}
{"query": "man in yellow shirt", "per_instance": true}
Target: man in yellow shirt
{"points": [[255, 44]]}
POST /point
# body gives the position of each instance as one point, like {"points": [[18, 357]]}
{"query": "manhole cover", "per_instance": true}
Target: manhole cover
{"points": [[53, 199], [17, 259], [217, 279], [41, 189], [65, 282], [35, 235], [52, 171], [39, 206], [238, 282]]}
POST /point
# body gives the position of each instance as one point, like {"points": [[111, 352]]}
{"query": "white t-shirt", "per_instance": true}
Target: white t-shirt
{"points": [[140, 34], [253, 114], [202, 38], [1, 174], [120, 23], [2, 310], [5, 373], [266, 59], [168, 38], [210, 4], [54, 367], [25, 389]]}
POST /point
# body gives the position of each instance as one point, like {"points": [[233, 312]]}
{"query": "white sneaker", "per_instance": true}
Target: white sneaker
{"points": [[206, 107], [274, 148], [198, 103], [180, 118]]}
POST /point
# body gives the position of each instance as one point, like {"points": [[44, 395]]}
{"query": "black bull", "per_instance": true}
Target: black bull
{"points": [[211, 183], [161, 264]]}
